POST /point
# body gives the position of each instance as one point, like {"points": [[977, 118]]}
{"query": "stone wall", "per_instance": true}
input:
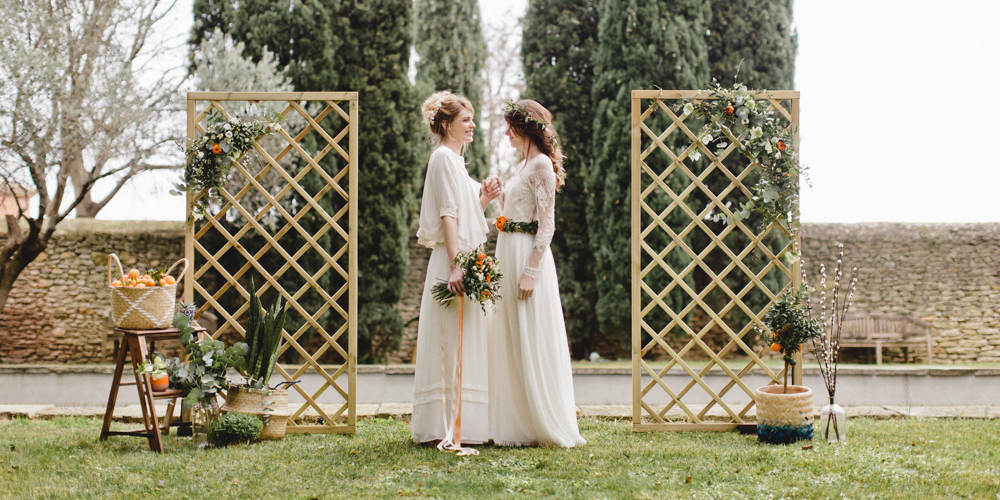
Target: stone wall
{"points": [[945, 274], [58, 310]]}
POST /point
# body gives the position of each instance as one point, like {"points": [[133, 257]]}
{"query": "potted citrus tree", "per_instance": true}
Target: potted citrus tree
{"points": [[256, 396], [785, 412]]}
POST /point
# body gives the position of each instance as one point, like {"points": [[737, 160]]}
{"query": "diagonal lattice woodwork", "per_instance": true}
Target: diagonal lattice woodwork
{"points": [[288, 219], [699, 287]]}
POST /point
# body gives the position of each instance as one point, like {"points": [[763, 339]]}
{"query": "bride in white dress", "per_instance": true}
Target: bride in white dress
{"points": [[530, 378], [450, 384]]}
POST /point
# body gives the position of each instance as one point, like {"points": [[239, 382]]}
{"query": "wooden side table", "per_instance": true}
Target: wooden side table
{"points": [[134, 346]]}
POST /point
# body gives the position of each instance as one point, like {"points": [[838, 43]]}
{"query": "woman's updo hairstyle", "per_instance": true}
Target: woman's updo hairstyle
{"points": [[440, 108], [529, 119]]}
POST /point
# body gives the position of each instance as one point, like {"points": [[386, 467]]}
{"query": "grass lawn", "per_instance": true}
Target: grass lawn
{"points": [[909, 458]]}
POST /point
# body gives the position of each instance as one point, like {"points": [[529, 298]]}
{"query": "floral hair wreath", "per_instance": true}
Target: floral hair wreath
{"points": [[515, 108]]}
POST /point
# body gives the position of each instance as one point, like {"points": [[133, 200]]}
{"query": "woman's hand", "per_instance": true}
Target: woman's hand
{"points": [[525, 287], [455, 285], [492, 187]]}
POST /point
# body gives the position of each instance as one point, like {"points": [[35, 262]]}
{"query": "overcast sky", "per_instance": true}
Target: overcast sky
{"points": [[897, 112]]}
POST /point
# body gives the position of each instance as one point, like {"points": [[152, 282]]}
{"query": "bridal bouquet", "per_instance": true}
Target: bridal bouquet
{"points": [[481, 280]]}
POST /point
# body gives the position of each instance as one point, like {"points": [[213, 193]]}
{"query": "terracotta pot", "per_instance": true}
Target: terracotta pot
{"points": [[160, 383], [782, 417]]}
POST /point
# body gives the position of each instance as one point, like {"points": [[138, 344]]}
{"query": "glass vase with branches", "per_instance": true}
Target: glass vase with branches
{"points": [[833, 306]]}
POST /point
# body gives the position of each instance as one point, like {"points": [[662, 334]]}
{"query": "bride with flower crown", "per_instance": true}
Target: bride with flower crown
{"points": [[531, 397]]}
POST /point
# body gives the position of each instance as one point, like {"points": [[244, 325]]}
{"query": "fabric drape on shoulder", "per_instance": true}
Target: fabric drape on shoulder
{"points": [[449, 191]]}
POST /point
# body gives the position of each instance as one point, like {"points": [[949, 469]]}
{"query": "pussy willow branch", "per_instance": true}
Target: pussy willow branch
{"points": [[828, 350]]}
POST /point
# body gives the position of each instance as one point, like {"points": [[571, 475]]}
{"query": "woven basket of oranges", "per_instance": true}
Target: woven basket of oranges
{"points": [[142, 301]]}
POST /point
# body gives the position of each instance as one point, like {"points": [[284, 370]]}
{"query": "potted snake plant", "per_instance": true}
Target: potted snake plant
{"points": [[256, 396]]}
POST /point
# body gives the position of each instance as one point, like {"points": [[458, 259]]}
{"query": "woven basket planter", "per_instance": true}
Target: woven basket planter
{"points": [[784, 418], [269, 405], [142, 308]]}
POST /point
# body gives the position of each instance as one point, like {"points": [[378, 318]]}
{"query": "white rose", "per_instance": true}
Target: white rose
{"points": [[756, 132], [696, 155], [688, 108]]}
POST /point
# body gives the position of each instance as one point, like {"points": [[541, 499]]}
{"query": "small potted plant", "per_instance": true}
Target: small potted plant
{"points": [[156, 368], [785, 412], [256, 396], [203, 375]]}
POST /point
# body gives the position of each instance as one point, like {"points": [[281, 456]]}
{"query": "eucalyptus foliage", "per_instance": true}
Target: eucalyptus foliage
{"points": [[203, 375]]}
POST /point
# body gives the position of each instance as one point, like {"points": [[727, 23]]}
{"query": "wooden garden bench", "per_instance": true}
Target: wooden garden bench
{"points": [[879, 330]]}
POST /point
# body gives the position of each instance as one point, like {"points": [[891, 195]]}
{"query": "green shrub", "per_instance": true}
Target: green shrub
{"points": [[235, 428]]}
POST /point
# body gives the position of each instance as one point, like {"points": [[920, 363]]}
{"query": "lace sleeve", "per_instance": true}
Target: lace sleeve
{"points": [[543, 183]]}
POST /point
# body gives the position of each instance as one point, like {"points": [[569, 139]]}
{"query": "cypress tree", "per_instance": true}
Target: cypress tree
{"points": [[304, 35], [557, 50], [755, 39], [449, 41], [332, 45], [376, 58], [641, 45]]}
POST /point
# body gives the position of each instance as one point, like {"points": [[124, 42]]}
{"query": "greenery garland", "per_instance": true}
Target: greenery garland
{"points": [[507, 226], [735, 115], [225, 141]]}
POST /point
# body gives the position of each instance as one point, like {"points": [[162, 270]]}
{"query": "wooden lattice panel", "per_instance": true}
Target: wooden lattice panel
{"points": [[692, 278], [261, 229]]}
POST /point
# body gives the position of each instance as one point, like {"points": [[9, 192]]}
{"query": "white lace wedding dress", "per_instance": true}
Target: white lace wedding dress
{"points": [[448, 190], [531, 385]]}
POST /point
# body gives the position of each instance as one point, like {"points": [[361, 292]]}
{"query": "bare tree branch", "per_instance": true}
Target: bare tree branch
{"points": [[82, 105]]}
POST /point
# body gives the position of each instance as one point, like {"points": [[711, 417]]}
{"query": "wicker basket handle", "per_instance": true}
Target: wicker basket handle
{"points": [[112, 258], [183, 269]]}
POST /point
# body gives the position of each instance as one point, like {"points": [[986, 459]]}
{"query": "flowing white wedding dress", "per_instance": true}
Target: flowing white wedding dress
{"points": [[449, 191], [531, 384]]}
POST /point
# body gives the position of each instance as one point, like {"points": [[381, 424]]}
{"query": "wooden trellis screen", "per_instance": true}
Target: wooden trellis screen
{"points": [[289, 218], [692, 278]]}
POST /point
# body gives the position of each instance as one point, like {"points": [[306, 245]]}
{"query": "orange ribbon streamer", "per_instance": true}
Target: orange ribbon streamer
{"points": [[456, 445]]}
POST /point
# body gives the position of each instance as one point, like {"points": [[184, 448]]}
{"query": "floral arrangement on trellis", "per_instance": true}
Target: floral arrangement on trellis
{"points": [[225, 141], [735, 116]]}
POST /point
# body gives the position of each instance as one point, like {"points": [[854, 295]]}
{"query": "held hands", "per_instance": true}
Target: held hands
{"points": [[455, 285], [492, 187]]}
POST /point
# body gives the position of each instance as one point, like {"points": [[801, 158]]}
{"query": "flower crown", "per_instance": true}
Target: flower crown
{"points": [[521, 109]]}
